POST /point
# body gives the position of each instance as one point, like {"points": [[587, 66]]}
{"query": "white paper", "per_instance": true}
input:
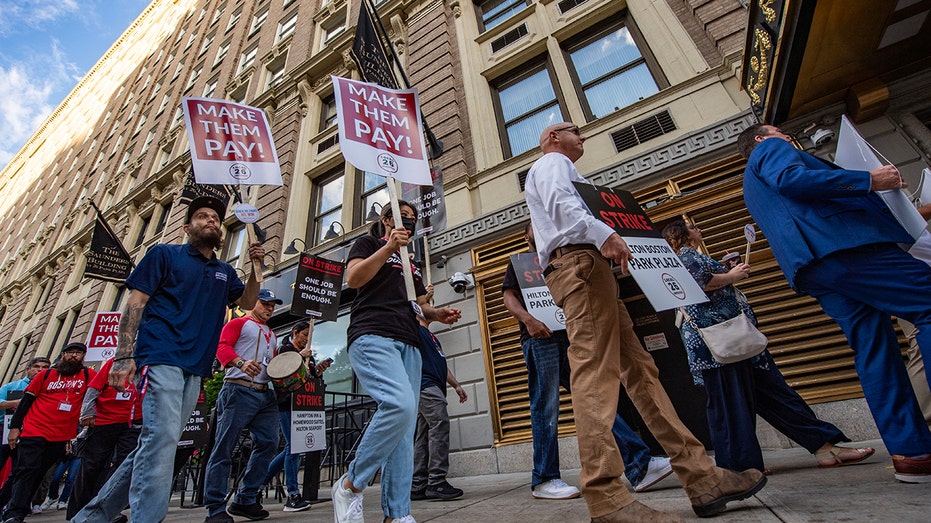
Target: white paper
{"points": [[665, 282]]}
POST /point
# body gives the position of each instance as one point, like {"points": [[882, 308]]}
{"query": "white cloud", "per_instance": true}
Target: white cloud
{"points": [[28, 86], [33, 13]]}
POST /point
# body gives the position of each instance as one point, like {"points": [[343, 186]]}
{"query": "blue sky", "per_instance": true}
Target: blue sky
{"points": [[46, 46]]}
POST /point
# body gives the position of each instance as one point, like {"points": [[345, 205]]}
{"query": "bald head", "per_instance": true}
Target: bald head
{"points": [[563, 138]]}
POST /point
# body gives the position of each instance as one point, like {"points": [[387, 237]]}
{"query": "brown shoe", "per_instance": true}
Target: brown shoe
{"points": [[637, 512], [912, 470], [734, 486]]}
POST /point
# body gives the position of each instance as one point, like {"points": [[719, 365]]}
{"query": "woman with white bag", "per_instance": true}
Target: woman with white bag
{"points": [[739, 390]]}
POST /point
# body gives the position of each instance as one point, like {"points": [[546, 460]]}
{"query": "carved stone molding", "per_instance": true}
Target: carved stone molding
{"points": [[456, 8], [132, 210], [157, 192], [691, 147], [348, 62]]}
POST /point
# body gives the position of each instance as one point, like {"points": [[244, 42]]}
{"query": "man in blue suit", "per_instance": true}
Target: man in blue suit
{"points": [[836, 240]]}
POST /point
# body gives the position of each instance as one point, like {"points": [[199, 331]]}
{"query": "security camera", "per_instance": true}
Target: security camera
{"points": [[822, 137], [460, 282]]}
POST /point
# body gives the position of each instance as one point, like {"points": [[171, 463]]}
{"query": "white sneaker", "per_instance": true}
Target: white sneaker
{"points": [[48, 504], [555, 489], [347, 505], [657, 470], [406, 519], [62, 505], [36, 509]]}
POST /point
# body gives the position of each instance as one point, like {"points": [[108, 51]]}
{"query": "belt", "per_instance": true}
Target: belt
{"points": [[559, 252], [261, 387]]}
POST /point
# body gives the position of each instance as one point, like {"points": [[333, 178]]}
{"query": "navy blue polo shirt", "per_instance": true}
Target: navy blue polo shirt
{"points": [[434, 361], [188, 296]]}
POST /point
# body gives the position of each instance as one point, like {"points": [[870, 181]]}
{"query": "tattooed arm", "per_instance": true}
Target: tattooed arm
{"points": [[124, 367]]}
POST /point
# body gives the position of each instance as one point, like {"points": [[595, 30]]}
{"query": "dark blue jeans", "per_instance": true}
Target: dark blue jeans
{"points": [[548, 368], [289, 462]]}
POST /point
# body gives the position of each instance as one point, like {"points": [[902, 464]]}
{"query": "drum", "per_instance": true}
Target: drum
{"points": [[287, 372]]}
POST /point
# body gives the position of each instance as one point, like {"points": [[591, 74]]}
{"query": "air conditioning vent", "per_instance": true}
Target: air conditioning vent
{"points": [[522, 179], [509, 38], [326, 144], [567, 5], [642, 131]]}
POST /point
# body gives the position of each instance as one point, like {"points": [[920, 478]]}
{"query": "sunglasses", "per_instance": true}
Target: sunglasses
{"points": [[574, 129]]}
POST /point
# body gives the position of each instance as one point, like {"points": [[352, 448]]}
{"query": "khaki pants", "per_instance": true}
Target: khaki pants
{"points": [[916, 370], [604, 354]]}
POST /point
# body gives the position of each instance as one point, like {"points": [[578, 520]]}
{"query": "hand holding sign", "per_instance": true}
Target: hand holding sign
{"points": [[750, 234], [616, 250]]}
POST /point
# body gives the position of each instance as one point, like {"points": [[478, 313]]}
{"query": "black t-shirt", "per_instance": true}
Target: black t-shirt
{"points": [[381, 306], [510, 282]]}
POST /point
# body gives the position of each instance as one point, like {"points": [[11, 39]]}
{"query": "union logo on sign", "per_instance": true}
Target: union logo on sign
{"points": [[673, 286], [240, 171], [387, 162]]}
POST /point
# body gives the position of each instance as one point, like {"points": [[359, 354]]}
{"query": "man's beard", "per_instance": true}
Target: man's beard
{"points": [[201, 237], [68, 368]]}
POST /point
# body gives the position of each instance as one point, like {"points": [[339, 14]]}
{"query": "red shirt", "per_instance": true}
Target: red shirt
{"points": [[112, 406], [57, 407]]}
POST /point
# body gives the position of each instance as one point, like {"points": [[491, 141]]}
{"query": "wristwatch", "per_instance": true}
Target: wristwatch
{"points": [[240, 363]]}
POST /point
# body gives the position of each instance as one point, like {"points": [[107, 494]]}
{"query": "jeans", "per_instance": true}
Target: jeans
{"points": [[240, 407], [548, 367], [290, 462], [71, 465], [390, 372], [143, 480], [605, 354], [431, 442]]}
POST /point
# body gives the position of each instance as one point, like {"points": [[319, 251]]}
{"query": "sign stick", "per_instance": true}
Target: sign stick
{"points": [[747, 255], [405, 257], [256, 271], [310, 336], [427, 276]]}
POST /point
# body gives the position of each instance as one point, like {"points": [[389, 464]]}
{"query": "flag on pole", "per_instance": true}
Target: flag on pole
{"points": [[368, 52], [107, 259]]}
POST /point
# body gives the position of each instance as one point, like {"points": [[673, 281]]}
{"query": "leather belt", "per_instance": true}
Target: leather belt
{"points": [[261, 387], [559, 252]]}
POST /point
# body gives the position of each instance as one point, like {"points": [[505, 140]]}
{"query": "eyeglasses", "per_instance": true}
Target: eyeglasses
{"points": [[574, 129]]}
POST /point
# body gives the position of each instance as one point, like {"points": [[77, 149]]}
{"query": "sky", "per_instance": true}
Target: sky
{"points": [[46, 47]]}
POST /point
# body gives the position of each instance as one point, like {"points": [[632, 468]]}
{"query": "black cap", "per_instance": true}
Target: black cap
{"points": [[206, 201], [75, 345]]}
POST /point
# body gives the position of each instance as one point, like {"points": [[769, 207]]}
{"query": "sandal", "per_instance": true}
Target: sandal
{"points": [[833, 455]]}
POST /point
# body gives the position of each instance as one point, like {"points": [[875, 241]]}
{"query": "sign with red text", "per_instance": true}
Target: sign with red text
{"points": [[231, 143], [537, 298], [317, 288], [308, 419], [666, 283], [103, 337], [380, 130], [429, 202]]}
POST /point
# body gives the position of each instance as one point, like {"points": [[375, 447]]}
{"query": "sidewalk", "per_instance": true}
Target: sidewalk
{"points": [[796, 492]]}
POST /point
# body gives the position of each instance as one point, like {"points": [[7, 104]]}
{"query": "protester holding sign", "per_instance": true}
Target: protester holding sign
{"points": [[546, 353], [575, 247], [170, 328], [738, 391], [385, 355]]}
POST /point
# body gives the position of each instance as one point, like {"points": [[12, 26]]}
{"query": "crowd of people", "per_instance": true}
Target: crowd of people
{"points": [[827, 229]]}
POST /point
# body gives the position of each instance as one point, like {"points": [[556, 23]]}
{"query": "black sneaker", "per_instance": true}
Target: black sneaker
{"points": [[121, 518], [254, 511], [220, 517], [296, 503], [443, 491], [419, 494]]}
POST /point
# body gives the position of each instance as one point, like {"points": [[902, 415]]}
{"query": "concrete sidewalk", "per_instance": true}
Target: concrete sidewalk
{"points": [[796, 492]]}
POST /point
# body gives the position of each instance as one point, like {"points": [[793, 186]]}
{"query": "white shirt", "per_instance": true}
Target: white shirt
{"points": [[559, 215]]}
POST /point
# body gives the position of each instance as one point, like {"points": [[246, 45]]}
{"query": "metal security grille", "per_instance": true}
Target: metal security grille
{"points": [[643, 130]]}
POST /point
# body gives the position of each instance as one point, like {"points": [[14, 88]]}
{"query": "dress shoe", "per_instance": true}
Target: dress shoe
{"points": [[912, 470], [637, 512], [734, 486]]}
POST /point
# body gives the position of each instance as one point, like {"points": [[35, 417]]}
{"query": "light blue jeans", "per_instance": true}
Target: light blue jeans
{"points": [[390, 372], [290, 462], [143, 481]]}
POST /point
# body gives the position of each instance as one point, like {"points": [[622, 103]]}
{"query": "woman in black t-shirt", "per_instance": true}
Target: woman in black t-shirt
{"points": [[383, 350]]}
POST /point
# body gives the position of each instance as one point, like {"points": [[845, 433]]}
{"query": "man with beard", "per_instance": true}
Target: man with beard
{"points": [[245, 402], [169, 331], [45, 420]]}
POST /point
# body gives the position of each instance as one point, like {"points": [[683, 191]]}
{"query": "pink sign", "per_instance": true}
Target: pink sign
{"points": [[103, 337]]}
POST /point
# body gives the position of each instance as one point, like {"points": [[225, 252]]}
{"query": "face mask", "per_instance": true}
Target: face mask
{"points": [[410, 224]]}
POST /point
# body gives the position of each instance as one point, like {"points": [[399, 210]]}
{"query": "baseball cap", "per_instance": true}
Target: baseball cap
{"points": [[39, 359], [205, 201], [75, 345], [267, 295]]}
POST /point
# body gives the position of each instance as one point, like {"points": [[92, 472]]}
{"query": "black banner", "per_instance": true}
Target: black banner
{"points": [[317, 288], [368, 51], [194, 434], [617, 208], [192, 190], [107, 259], [428, 199]]}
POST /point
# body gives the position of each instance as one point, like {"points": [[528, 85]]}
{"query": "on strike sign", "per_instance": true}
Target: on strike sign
{"points": [[380, 132], [231, 143]]}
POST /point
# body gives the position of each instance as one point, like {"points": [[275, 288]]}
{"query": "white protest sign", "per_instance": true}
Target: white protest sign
{"points": [[308, 418], [855, 154], [665, 282], [231, 143], [246, 212], [537, 298], [380, 130], [103, 338]]}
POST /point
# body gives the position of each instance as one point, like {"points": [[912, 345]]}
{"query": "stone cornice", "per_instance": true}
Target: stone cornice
{"points": [[675, 155]]}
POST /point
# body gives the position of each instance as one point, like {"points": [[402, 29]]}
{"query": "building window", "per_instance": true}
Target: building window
{"points": [[194, 76], [527, 104], [217, 14], [234, 19], [210, 88], [374, 196], [142, 119], [235, 243], [494, 12], [207, 42], [247, 59], [178, 70], [190, 41], [125, 161], [221, 53], [328, 113], [612, 73], [329, 204], [274, 73], [148, 141], [140, 236], [163, 104], [333, 28], [258, 20], [286, 28], [162, 220]]}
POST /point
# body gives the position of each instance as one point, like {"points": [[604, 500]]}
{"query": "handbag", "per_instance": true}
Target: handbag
{"points": [[732, 340]]}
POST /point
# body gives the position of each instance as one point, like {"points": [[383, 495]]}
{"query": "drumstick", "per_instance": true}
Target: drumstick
{"points": [[257, 338]]}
